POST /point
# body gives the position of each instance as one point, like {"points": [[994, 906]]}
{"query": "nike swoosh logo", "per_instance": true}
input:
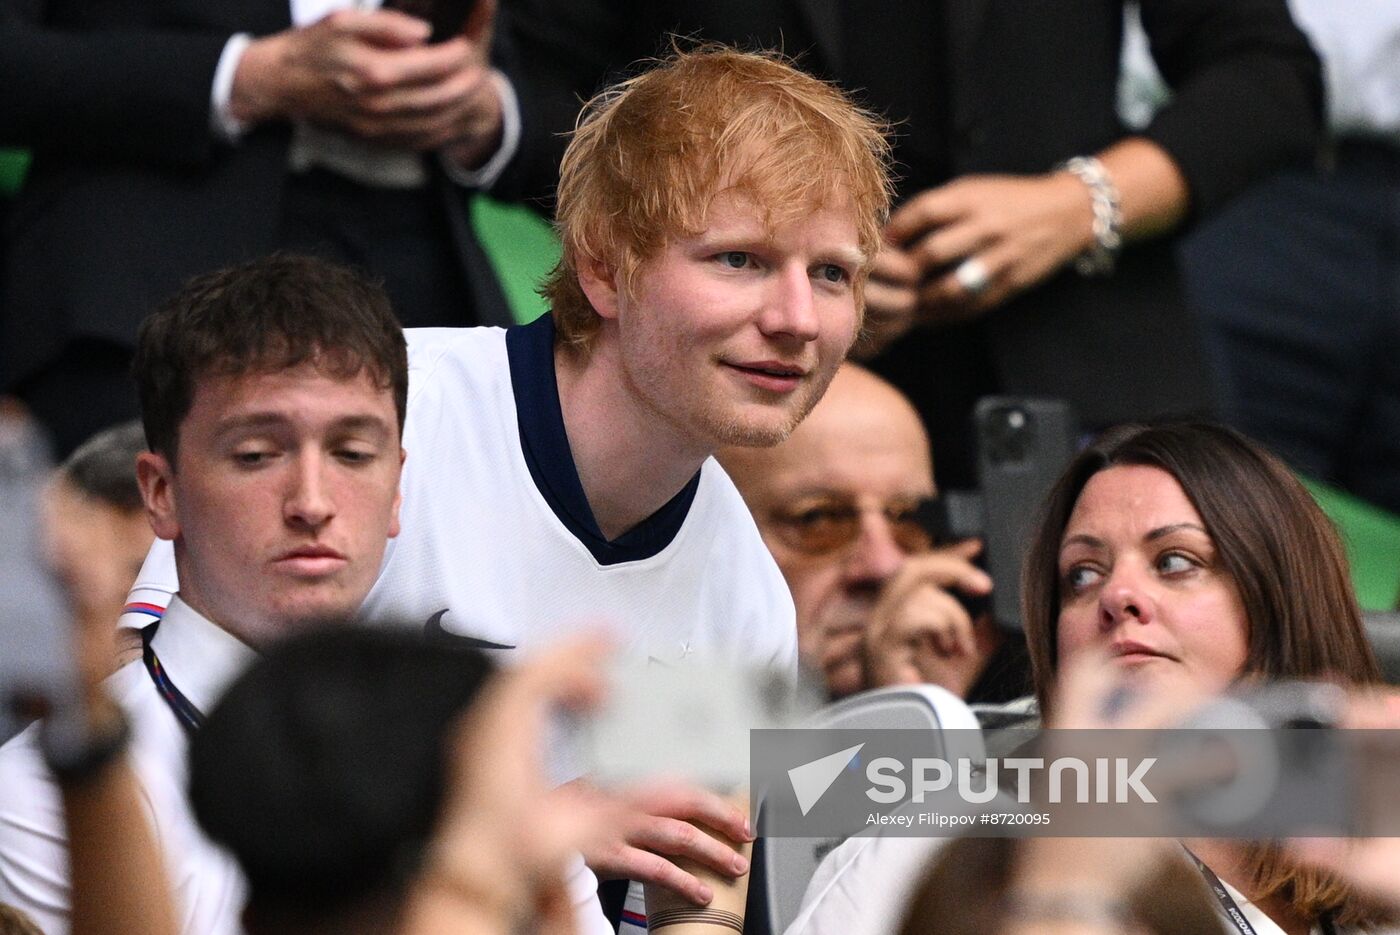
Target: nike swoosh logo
{"points": [[435, 633]]}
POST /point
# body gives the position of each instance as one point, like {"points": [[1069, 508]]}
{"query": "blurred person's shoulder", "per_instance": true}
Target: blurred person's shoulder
{"points": [[33, 834]]}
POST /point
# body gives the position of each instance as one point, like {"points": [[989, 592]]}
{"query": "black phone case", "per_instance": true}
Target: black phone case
{"points": [[1022, 446]]}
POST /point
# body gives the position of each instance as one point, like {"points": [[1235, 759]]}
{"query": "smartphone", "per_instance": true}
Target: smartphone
{"points": [[38, 672], [447, 17], [688, 721], [1023, 445]]}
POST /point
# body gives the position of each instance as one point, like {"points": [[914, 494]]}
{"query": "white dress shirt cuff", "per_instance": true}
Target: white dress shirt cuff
{"points": [[222, 123], [487, 175]]}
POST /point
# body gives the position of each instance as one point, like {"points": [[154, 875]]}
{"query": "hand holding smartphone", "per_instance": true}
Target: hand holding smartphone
{"points": [[447, 17]]}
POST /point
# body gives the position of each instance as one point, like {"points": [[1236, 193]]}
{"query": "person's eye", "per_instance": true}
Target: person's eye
{"points": [[252, 457], [355, 455], [1174, 563], [817, 517], [820, 529], [1082, 577], [735, 259], [833, 273]]}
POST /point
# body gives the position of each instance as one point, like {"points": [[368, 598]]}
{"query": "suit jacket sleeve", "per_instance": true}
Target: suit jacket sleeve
{"points": [[569, 51], [137, 93], [1248, 91]]}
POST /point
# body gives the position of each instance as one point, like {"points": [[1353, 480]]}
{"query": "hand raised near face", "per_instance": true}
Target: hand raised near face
{"points": [[891, 300], [506, 835], [918, 631]]}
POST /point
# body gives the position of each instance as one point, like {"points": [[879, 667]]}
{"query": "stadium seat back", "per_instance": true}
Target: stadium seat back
{"points": [[789, 863]]}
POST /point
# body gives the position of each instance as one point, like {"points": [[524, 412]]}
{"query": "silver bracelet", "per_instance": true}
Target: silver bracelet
{"points": [[1099, 259]]}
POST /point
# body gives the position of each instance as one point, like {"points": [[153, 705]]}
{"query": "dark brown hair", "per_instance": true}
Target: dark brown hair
{"points": [[1286, 563], [1273, 540], [262, 316]]}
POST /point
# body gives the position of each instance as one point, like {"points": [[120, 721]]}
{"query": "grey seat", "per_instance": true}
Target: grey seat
{"points": [[1384, 631], [789, 863]]}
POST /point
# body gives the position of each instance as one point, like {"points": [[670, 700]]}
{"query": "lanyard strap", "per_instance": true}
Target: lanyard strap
{"points": [[1232, 909], [190, 717], [1227, 902]]}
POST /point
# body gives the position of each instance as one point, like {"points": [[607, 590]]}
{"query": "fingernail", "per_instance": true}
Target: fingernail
{"points": [[740, 864], [704, 894], [748, 829]]}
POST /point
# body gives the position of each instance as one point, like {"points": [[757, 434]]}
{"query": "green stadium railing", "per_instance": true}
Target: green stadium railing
{"points": [[522, 249], [14, 163], [1371, 536]]}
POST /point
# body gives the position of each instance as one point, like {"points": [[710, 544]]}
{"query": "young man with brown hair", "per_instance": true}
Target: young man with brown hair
{"points": [[273, 399]]}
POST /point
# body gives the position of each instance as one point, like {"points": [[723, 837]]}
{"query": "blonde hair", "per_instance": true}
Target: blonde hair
{"points": [[650, 154]]}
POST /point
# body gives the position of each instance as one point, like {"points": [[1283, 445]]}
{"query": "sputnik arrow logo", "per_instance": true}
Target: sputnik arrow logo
{"points": [[811, 780]]}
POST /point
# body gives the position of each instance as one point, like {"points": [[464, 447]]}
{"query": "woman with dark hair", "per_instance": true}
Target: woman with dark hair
{"points": [[1256, 532], [1195, 557], [1190, 559]]}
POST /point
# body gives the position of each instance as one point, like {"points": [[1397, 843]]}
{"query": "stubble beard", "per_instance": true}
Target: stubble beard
{"points": [[737, 433], [720, 423]]}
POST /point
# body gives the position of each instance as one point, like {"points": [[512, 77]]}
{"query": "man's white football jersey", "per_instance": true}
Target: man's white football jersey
{"points": [[498, 542]]}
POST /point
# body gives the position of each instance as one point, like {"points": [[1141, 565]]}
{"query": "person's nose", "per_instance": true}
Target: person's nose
{"points": [[308, 501], [1126, 598], [875, 556], [790, 309]]}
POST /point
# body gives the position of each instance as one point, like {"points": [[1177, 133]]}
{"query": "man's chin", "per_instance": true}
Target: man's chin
{"points": [[313, 612], [758, 430]]}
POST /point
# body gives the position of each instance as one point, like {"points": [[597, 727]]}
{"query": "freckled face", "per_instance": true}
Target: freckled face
{"points": [[732, 335]]}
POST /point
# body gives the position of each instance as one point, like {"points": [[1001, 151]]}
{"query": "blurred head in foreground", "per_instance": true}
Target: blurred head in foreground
{"points": [[323, 768]]}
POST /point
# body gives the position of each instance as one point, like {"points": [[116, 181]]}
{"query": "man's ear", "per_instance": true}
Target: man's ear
{"points": [[599, 283], [156, 476]]}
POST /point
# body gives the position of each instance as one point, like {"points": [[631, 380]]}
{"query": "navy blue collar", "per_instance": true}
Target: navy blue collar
{"points": [[545, 444]]}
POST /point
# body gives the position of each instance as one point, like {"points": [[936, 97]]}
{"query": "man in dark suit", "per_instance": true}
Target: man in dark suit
{"points": [[978, 291], [174, 137]]}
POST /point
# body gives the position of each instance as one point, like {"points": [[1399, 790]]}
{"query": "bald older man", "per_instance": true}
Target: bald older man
{"points": [[836, 506]]}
